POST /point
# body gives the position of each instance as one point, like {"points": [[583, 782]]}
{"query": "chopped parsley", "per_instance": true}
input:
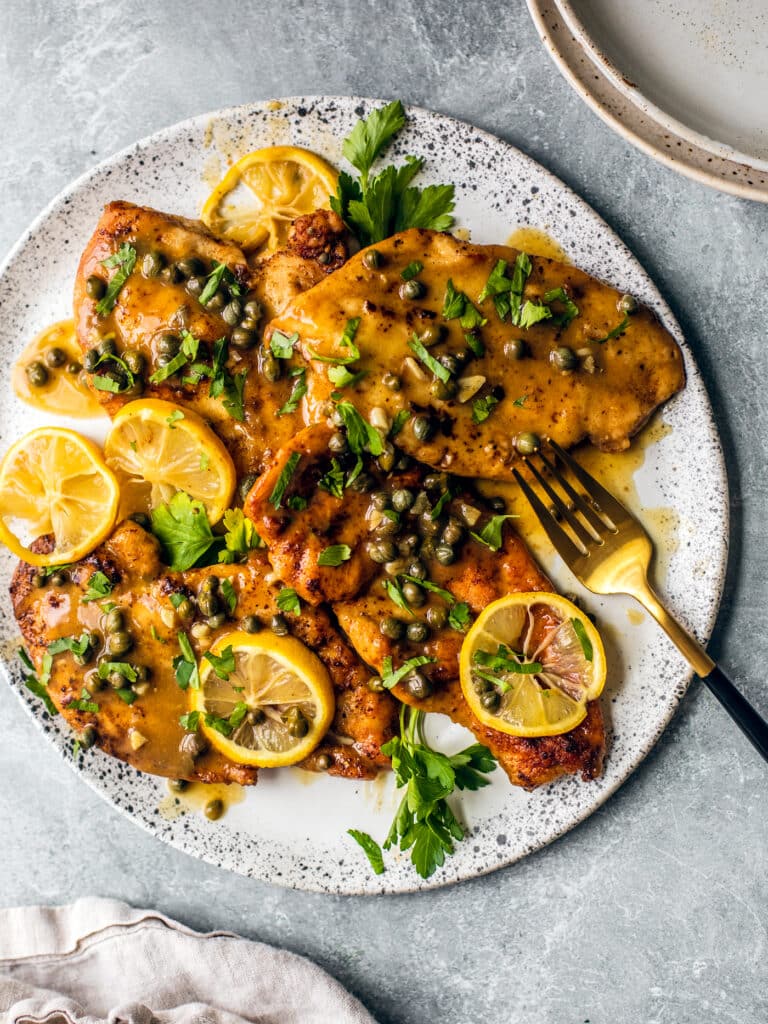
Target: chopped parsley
{"points": [[282, 344], [174, 418], [69, 643], [335, 555], [395, 594], [431, 587], [401, 418], [122, 668], [190, 721], [460, 616], [220, 273], [84, 703], [507, 293], [284, 479], [183, 530], [361, 436], [36, 685], [370, 848], [491, 533], [223, 664], [288, 601], [332, 481], [297, 392], [185, 665], [229, 594], [581, 634], [413, 269], [483, 407], [520, 401], [240, 538], [98, 586], [570, 311], [418, 349], [619, 329], [390, 677], [532, 313], [164, 372], [124, 260]]}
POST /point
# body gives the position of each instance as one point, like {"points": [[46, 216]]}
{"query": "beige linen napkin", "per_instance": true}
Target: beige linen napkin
{"points": [[100, 960]]}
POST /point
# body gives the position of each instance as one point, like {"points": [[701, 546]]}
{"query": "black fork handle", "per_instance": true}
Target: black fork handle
{"points": [[748, 719]]}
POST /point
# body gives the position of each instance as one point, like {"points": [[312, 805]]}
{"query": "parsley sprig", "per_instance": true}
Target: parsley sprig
{"points": [[124, 260]]}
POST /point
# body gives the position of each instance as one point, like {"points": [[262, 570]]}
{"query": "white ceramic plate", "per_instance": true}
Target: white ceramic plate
{"points": [[685, 83], [291, 828]]}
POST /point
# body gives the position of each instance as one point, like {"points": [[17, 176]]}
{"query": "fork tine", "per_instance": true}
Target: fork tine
{"points": [[585, 537], [593, 519], [604, 500], [562, 543]]}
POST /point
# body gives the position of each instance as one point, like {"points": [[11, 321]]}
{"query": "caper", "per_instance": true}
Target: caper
{"points": [[58, 578], [453, 532], [452, 363], [392, 381], [95, 287], [152, 264], [382, 551], [193, 745], [431, 335], [380, 500], [480, 685], [249, 323], [119, 642], [37, 375], [252, 309], [168, 345], [428, 526], [116, 680], [386, 460], [296, 722], [279, 625], [232, 312], [324, 761], [423, 427], [195, 286], [74, 367], [417, 632], [94, 639], [217, 301], [208, 603], [527, 443], [490, 700], [246, 484], [418, 570], [210, 583], [190, 266], [251, 624], [107, 346], [114, 621], [627, 304], [55, 357], [396, 566], [414, 595], [185, 609], [372, 259], [84, 658], [402, 499], [386, 528], [375, 684], [141, 519], [217, 620], [514, 348], [214, 809], [269, 366], [435, 481], [143, 672], [497, 504], [88, 737], [391, 627], [443, 389], [418, 685], [243, 339], [170, 274], [37, 579], [563, 358], [437, 616], [134, 360], [408, 544], [362, 483], [94, 682], [412, 289], [403, 463], [177, 785], [337, 443], [255, 716], [90, 360], [445, 554]]}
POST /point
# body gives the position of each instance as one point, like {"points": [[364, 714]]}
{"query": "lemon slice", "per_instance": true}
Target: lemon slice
{"points": [[275, 706], [56, 481], [530, 663], [155, 449], [259, 196]]}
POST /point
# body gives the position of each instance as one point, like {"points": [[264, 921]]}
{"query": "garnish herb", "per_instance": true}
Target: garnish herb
{"points": [[401, 418], [240, 538], [296, 503], [418, 349], [361, 436], [220, 272], [282, 344], [413, 269], [155, 635], [177, 600], [126, 694], [483, 407], [185, 665], [124, 260], [69, 643], [121, 667], [223, 664], [342, 378], [457, 306], [288, 601], [571, 310], [297, 392], [286, 475], [189, 344], [335, 555], [84, 703], [615, 332], [164, 372], [459, 617], [226, 726], [34, 684], [433, 588], [391, 677], [190, 721], [229, 594], [223, 383], [491, 534], [205, 461], [520, 402], [98, 586], [505, 660], [532, 313], [586, 643], [395, 594], [370, 848], [333, 480], [174, 418], [183, 529], [103, 382]]}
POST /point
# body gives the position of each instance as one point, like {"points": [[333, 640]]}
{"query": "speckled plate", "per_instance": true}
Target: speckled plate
{"points": [[290, 829]]}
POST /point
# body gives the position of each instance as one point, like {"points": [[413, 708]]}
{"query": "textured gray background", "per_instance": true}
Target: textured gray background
{"points": [[653, 911]]}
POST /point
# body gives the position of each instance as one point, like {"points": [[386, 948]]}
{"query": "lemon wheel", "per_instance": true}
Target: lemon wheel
{"points": [[530, 664], [259, 196], [156, 448], [263, 700], [55, 481]]}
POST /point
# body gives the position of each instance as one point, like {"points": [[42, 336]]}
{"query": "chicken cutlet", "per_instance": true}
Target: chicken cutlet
{"points": [[156, 337], [410, 574], [140, 724], [441, 334]]}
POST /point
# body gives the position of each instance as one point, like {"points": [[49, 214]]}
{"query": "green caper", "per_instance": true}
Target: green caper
{"points": [[168, 345], [428, 526], [412, 289], [490, 700], [453, 532], [437, 616], [214, 809], [88, 737], [37, 375], [296, 722], [527, 443], [417, 632], [402, 499], [514, 348], [195, 286], [243, 339], [563, 358], [373, 259], [177, 785], [414, 595], [90, 360], [279, 625], [380, 500], [170, 274], [143, 672], [391, 628], [497, 504], [141, 519], [431, 335], [55, 357], [375, 685], [386, 528], [208, 603], [249, 323], [396, 567], [246, 484], [107, 346], [418, 570], [443, 389], [451, 362], [232, 312], [119, 642], [627, 304], [423, 427], [217, 301], [185, 609], [253, 309], [382, 551], [114, 621], [408, 544], [84, 658], [418, 685], [269, 366], [134, 360], [255, 716], [362, 483], [152, 264], [392, 381], [94, 683], [190, 266], [387, 458], [116, 680], [324, 761], [251, 624], [192, 745], [337, 443], [95, 287], [74, 367], [435, 482], [427, 548], [216, 621], [445, 554], [37, 579], [210, 584], [58, 578], [480, 685]]}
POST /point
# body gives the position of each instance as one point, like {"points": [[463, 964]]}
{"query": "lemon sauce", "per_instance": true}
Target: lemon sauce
{"points": [[47, 374]]}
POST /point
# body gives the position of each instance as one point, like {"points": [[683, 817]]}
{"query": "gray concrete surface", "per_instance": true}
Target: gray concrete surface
{"points": [[654, 910]]}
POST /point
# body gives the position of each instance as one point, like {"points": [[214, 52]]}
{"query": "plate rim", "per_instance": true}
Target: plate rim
{"points": [[413, 883]]}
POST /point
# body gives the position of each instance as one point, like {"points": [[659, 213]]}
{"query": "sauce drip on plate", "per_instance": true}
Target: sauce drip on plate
{"points": [[61, 391], [536, 242]]}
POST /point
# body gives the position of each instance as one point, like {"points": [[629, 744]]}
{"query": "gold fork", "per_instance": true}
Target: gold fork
{"points": [[608, 551]]}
